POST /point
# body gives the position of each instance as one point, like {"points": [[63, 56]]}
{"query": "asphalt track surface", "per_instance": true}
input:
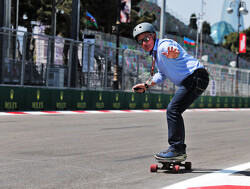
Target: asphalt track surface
{"points": [[115, 150]]}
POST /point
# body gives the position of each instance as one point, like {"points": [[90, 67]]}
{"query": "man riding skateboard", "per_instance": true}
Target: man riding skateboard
{"points": [[174, 63]]}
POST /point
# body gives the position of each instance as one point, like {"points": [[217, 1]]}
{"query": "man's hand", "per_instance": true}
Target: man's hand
{"points": [[172, 53], [139, 88]]}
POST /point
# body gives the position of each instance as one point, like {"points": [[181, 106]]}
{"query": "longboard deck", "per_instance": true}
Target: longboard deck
{"points": [[170, 165]]}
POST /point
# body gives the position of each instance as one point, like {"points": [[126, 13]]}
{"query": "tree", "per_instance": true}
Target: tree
{"points": [[27, 11], [63, 17], [193, 22], [104, 11], [206, 29], [231, 43], [33, 12]]}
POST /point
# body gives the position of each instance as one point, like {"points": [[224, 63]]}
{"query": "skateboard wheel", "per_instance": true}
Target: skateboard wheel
{"points": [[176, 168], [188, 165], [153, 168]]}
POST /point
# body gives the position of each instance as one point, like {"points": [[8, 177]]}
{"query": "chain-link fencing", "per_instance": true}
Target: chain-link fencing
{"points": [[43, 61]]}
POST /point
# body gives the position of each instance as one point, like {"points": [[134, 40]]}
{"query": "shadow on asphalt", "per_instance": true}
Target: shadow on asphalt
{"points": [[184, 171]]}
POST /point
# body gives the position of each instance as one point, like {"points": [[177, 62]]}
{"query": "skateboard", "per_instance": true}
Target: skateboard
{"points": [[171, 165]]}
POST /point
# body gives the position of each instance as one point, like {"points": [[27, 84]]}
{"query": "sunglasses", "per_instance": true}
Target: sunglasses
{"points": [[145, 39]]}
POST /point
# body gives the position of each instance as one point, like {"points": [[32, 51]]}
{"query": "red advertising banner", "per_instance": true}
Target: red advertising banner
{"points": [[242, 43]]}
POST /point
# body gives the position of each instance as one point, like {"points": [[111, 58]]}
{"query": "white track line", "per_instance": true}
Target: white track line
{"points": [[217, 178]]}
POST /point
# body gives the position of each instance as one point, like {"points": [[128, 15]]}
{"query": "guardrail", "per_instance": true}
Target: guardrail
{"points": [[33, 99]]}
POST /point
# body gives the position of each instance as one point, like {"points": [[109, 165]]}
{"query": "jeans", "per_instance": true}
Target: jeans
{"points": [[192, 87]]}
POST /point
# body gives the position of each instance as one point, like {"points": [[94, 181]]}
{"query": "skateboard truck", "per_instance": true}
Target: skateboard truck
{"points": [[173, 165]]}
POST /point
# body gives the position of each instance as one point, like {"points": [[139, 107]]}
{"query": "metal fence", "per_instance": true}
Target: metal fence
{"points": [[43, 61]]}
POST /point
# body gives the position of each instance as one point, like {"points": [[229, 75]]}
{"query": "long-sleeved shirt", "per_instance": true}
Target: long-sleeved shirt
{"points": [[176, 69]]}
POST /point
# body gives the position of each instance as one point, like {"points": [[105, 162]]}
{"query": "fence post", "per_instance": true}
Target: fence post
{"points": [[234, 82], [122, 80], [106, 69], [241, 82], [219, 82], [138, 61], [70, 62], [248, 82], [48, 63], [23, 59], [89, 59]]}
